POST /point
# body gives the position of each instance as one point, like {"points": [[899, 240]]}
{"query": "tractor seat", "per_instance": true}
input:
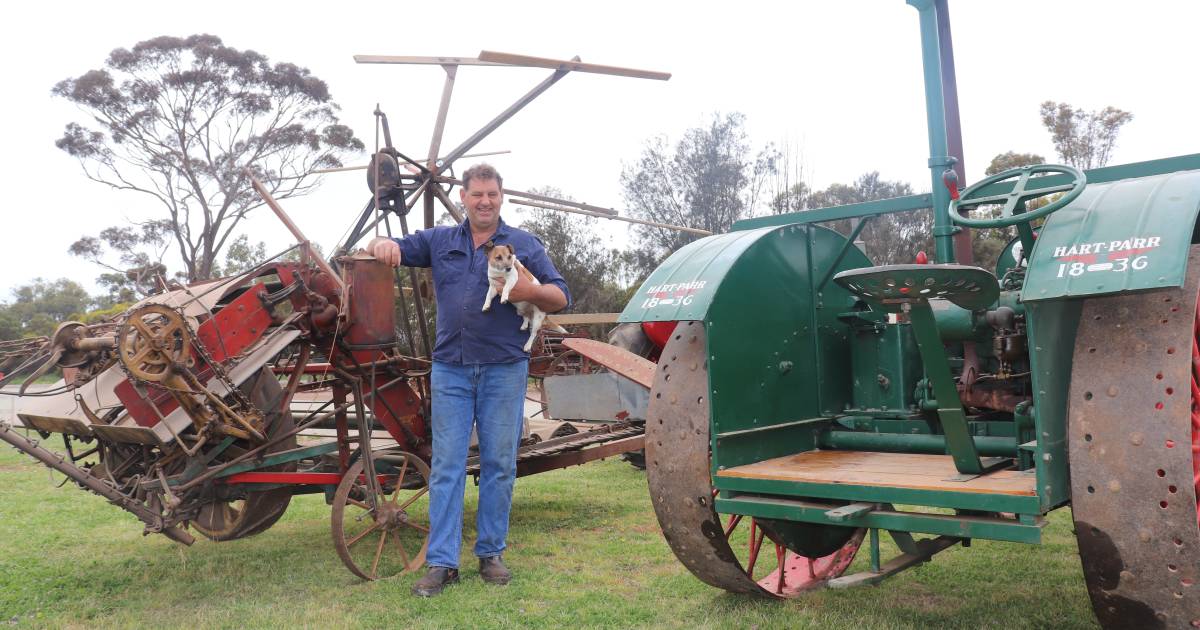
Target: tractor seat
{"points": [[971, 288]]}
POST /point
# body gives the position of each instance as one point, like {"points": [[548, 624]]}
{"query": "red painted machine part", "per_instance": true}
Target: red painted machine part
{"points": [[226, 334], [404, 401], [658, 332], [236, 326], [371, 316], [297, 479]]}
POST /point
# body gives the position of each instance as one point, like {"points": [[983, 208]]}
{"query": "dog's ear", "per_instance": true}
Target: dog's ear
{"points": [[489, 246], [512, 250]]}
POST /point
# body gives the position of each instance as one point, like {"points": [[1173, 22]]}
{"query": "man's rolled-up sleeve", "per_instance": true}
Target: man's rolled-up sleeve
{"points": [[416, 249], [542, 268]]}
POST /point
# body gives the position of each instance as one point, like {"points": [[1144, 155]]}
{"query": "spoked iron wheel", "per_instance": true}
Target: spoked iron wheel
{"points": [[738, 554], [386, 534], [1133, 441], [259, 510]]}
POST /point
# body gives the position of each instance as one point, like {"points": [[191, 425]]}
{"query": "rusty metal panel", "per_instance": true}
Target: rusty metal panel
{"points": [[636, 368], [371, 305], [595, 397], [236, 326], [583, 456], [127, 434], [1126, 235], [57, 425], [97, 393]]}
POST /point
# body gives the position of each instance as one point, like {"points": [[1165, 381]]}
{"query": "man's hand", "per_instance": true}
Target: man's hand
{"points": [[522, 290], [385, 250], [547, 297]]}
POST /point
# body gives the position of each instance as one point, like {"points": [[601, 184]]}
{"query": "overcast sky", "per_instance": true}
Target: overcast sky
{"points": [[840, 81]]}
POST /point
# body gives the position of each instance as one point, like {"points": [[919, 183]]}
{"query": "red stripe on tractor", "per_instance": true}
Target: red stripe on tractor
{"points": [[1083, 258], [1126, 253]]}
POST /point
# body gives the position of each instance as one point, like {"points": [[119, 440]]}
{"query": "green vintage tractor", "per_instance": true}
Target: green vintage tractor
{"points": [[807, 400]]}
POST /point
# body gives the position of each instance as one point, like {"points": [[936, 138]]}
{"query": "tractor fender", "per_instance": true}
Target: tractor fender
{"points": [[776, 348], [1119, 236], [747, 270]]}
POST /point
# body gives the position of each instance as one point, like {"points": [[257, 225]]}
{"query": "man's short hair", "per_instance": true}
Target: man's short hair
{"points": [[483, 170]]}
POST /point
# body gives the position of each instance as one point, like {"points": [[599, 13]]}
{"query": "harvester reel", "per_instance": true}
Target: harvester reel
{"points": [[800, 556], [1013, 203], [152, 340]]}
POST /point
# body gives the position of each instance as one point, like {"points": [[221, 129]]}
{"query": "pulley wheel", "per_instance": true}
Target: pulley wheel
{"points": [[1133, 423], [730, 553], [152, 339]]}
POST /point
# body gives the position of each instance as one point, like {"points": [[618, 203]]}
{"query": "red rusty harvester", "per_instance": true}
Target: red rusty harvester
{"points": [[183, 410]]}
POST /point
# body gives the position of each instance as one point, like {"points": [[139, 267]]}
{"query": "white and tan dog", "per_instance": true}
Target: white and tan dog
{"points": [[504, 264]]}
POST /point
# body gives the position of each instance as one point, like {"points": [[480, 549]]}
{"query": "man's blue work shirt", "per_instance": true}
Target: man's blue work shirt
{"points": [[465, 334]]}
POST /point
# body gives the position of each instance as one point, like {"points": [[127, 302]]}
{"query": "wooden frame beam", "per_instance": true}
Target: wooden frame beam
{"points": [[439, 126], [424, 61], [500, 118], [446, 201], [562, 208], [528, 195], [572, 65]]}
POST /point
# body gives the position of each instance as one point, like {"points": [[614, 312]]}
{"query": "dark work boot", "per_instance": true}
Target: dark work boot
{"points": [[493, 571], [434, 580]]}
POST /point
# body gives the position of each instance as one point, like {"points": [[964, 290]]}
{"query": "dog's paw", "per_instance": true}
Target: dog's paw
{"points": [[525, 325], [528, 345], [486, 306], [504, 299]]}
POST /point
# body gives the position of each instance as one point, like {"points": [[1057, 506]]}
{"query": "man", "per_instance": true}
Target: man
{"points": [[479, 372]]}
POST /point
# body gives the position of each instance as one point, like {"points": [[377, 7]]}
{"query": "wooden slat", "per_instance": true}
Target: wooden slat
{"points": [[363, 167], [404, 59], [440, 125], [561, 207], [287, 222], [562, 64], [575, 319], [633, 367], [491, 126], [892, 470], [557, 202]]}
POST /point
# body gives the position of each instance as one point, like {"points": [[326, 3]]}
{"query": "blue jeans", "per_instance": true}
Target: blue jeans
{"points": [[490, 396]]}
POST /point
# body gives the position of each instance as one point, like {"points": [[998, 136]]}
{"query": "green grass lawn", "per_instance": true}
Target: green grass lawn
{"points": [[584, 546]]}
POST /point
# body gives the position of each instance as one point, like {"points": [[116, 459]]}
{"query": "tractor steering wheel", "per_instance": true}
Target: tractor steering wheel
{"points": [[1015, 200]]}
